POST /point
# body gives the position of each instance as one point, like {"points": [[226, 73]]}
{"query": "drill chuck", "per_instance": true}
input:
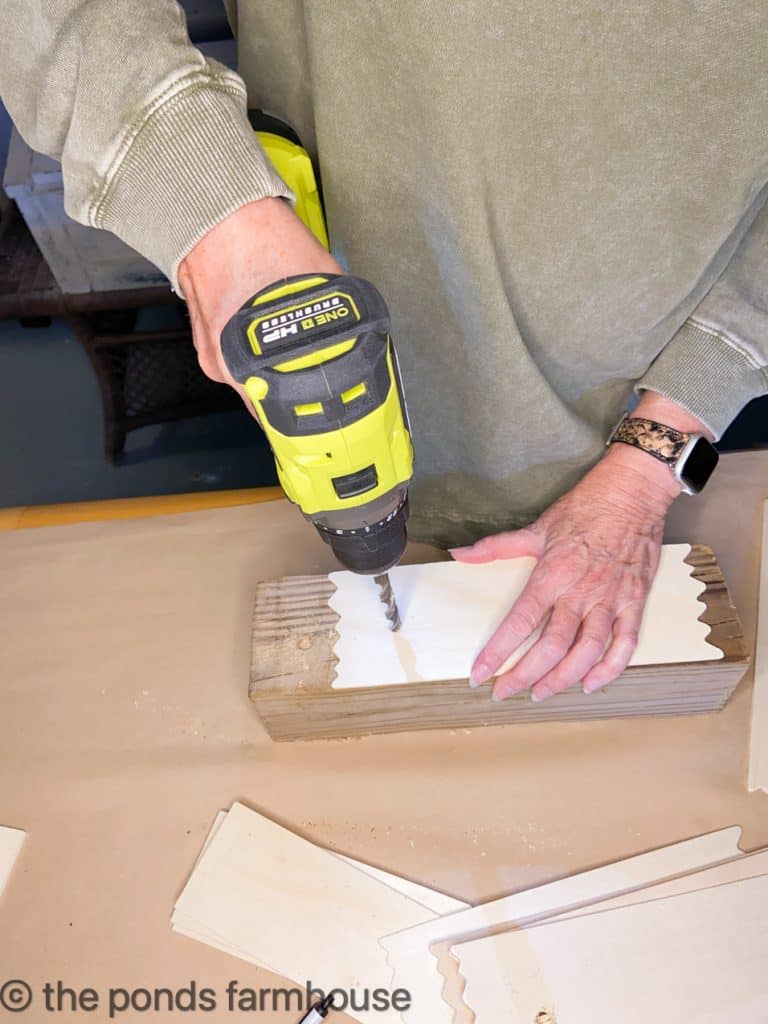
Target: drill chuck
{"points": [[374, 547]]}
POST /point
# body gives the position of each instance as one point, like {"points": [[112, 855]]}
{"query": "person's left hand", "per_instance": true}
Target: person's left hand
{"points": [[598, 550]]}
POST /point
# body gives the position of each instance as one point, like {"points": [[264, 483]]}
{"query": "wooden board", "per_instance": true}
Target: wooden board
{"points": [[293, 666], [758, 744], [414, 954], [265, 894], [11, 842], [695, 957], [484, 959]]}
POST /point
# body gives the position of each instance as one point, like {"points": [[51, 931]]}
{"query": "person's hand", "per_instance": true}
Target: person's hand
{"points": [[257, 245], [598, 550]]}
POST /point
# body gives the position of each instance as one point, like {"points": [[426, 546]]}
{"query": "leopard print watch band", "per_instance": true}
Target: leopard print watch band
{"points": [[662, 442]]}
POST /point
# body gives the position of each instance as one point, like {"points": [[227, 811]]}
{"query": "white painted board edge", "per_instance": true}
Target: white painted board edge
{"points": [[758, 740], [11, 842]]}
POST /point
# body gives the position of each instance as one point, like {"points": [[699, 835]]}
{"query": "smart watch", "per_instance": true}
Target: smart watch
{"points": [[690, 457]]}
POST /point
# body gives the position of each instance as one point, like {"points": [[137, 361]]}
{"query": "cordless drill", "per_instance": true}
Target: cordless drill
{"points": [[316, 359]]}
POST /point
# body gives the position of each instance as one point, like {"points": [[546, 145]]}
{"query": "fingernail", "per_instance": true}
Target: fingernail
{"points": [[459, 551], [480, 674], [539, 695], [497, 696]]}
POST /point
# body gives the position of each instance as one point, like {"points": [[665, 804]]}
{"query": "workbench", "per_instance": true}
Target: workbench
{"points": [[125, 725]]}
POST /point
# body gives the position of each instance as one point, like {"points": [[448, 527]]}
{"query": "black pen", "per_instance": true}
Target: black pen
{"points": [[319, 1011]]}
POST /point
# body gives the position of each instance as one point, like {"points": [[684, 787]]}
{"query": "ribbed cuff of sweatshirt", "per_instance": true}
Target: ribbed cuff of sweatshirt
{"points": [[708, 373], [191, 160]]}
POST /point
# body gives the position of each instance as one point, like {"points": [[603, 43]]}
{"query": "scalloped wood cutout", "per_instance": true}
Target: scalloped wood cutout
{"points": [[485, 960], [697, 956], [414, 964], [449, 611]]}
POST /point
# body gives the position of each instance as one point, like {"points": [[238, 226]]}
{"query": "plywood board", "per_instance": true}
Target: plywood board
{"points": [[294, 667], [758, 744], [484, 960], [415, 967], [269, 896], [698, 956], [11, 842], [450, 610], [439, 903]]}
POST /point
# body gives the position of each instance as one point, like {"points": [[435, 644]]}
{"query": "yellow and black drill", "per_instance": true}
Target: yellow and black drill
{"points": [[315, 356]]}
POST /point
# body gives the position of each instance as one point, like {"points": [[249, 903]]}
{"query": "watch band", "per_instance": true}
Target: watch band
{"points": [[664, 443]]}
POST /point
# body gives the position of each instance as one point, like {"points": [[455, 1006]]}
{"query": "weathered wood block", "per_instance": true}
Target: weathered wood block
{"points": [[293, 667]]}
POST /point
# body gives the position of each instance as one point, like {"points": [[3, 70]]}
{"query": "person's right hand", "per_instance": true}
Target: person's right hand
{"points": [[257, 245]]}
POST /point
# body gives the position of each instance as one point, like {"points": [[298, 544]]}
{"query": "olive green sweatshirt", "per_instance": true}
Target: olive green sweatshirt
{"points": [[562, 202]]}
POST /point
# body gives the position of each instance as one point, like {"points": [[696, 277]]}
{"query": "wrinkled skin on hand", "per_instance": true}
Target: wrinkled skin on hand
{"points": [[598, 550]]}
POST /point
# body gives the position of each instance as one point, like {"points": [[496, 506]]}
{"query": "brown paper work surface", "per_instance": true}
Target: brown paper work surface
{"points": [[125, 726]]}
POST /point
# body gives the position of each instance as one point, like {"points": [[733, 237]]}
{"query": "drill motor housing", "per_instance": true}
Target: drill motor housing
{"points": [[316, 358]]}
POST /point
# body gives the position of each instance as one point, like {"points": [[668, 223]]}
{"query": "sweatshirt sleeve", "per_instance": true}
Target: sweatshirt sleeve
{"points": [[718, 360], [153, 138]]}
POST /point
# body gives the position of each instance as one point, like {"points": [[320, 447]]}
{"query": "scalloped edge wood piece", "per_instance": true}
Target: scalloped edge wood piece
{"points": [[489, 981], [450, 608], [413, 954], [691, 956]]}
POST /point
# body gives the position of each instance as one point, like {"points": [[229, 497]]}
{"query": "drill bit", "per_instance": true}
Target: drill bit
{"points": [[387, 596]]}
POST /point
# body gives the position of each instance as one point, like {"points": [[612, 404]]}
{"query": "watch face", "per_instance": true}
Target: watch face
{"points": [[699, 465]]}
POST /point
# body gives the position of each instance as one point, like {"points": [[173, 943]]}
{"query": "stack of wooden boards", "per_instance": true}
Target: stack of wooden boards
{"points": [[675, 934], [264, 894], [324, 665]]}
